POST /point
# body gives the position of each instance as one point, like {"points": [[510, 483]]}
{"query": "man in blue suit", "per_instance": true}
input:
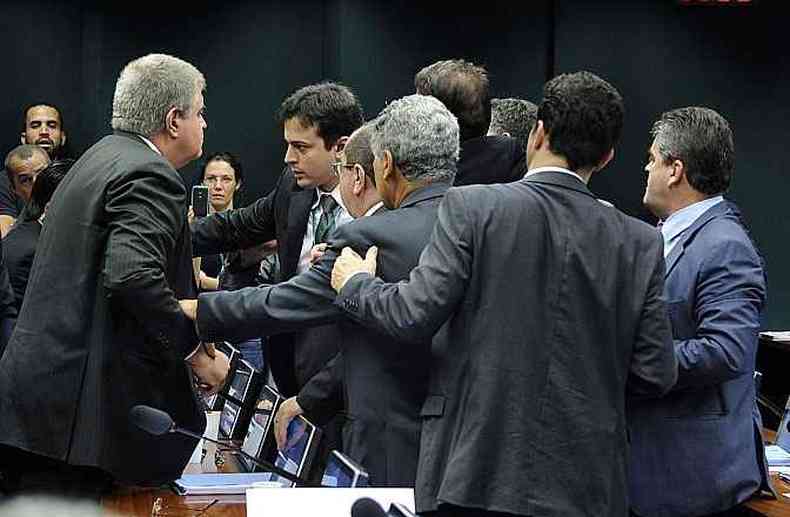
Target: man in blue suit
{"points": [[698, 450]]}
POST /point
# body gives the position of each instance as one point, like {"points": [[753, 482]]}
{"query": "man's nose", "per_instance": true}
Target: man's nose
{"points": [[290, 155]]}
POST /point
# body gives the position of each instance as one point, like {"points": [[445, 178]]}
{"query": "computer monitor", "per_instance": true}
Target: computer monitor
{"points": [[217, 401], [260, 442], [300, 451], [243, 391], [343, 472]]}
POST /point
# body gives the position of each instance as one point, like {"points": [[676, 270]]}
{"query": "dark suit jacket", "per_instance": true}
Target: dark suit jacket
{"points": [[100, 328], [698, 450], [19, 248], [282, 214], [384, 382], [8, 310], [553, 310], [490, 159]]}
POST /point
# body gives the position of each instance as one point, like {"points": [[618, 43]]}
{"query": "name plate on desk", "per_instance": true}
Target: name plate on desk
{"points": [[326, 502]]}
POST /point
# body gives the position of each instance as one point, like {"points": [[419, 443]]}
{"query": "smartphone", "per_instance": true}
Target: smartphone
{"points": [[200, 200]]}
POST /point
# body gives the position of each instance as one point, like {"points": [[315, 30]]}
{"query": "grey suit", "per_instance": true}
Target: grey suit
{"points": [[553, 311], [100, 329], [384, 382]]}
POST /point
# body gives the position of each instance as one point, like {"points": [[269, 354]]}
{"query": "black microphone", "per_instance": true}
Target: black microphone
{"points": [[367, 507], [157, 422]]}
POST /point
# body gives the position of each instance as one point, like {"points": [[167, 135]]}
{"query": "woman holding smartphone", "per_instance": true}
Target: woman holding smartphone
{"points": [[223, 175]]}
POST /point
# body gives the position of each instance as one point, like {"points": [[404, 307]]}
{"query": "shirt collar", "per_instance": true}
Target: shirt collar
{"points": [[150, 144], [335, 193], [679, 221], [372, 210], [553, 169]]}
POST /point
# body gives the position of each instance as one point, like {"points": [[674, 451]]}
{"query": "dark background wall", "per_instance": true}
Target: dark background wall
{"points": [[659, 54]]}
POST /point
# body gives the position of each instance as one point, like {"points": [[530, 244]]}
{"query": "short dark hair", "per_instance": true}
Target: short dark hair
{"points": [[513, 116], [702, 140], [583, 116], [46, 183], [48, 105], [358, 150], [462, 87], [331, 107]]}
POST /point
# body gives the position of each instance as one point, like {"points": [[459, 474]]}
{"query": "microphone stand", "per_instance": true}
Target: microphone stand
{"points": [[261, 463]]}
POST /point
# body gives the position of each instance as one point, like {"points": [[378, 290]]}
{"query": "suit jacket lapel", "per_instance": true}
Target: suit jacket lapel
{"points": [[298, 214], [685, 239]]}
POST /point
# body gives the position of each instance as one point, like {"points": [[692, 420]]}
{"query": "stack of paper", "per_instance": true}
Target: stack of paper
{"points": [[776, 456], [237, 483]]}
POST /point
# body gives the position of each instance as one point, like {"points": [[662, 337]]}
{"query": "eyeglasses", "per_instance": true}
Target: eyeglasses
{"points": [[338, 166]]}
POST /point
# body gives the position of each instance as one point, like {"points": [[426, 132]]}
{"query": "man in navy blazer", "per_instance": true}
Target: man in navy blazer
{"points": [[698, 450]]}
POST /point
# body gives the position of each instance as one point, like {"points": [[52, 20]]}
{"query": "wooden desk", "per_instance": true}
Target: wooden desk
{"points": [[140, 501], [779, 507]]}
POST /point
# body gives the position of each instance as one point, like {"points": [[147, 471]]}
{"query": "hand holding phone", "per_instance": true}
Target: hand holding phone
{"points": [[200, 200]]}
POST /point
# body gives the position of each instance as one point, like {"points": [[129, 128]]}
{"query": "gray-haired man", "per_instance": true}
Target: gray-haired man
{"points": [[101, 330], [415, 150]]}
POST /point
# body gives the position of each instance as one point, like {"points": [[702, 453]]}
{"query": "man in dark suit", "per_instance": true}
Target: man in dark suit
{"points": [[549, 305], [299, 212], [100, 330], [463, 87], [698, 450], [384, 381]]}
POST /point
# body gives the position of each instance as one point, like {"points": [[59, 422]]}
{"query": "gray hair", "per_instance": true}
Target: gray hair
{"points": [[702, 139], [149, 87], [513, 116], [422, 136]]}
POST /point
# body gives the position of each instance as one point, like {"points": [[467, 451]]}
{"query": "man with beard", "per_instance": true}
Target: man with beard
{"points": [[43, 126]]}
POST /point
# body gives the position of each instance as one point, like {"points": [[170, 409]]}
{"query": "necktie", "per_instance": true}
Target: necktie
{"points": [[327, 221]]}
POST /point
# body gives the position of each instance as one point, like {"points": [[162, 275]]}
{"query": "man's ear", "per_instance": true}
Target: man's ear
{"points": [[62, 138], [539, 135], [340, 144], [605, 161], [387, 166], [23, 139], [678, 173], [173, 122], [359, 180]]}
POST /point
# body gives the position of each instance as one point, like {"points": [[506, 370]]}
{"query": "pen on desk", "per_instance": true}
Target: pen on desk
{"points": [[784, 477]]}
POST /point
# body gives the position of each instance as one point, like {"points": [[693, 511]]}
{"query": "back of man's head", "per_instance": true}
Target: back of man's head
{"points": [[703, 141], [358, 150], [583, 117], [149, 87], [422, 136], [513, 117], [462, 87], [331, 108], [46, 183]]}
